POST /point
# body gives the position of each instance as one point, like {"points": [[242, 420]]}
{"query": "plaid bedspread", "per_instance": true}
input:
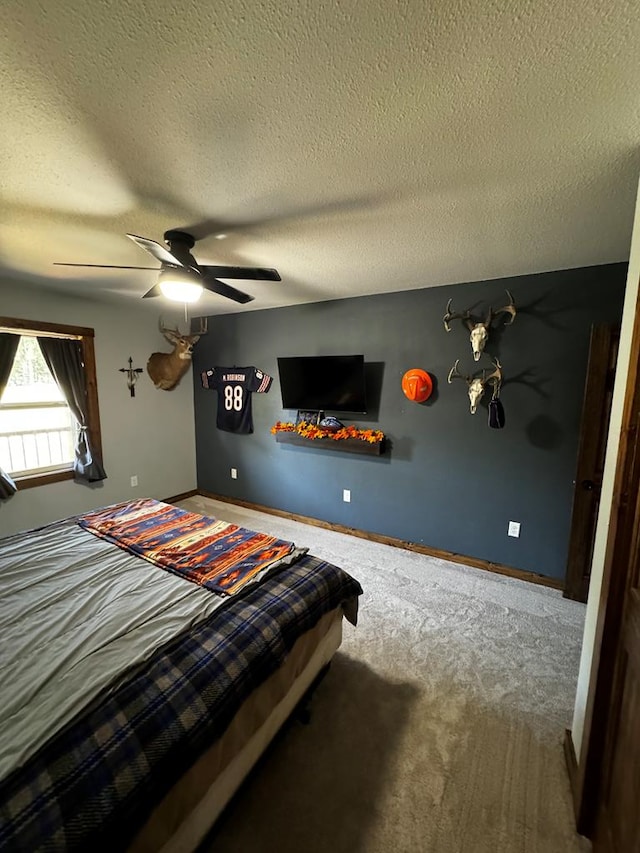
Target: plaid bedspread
{"points": [[92, 786], [220, 556]]}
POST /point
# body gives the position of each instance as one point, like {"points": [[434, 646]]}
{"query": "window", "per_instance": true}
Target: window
{"points": [[37, 429], [38, 432]]}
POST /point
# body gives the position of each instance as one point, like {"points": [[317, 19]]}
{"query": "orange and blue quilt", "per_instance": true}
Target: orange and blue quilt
{"points": [[220, 556]]}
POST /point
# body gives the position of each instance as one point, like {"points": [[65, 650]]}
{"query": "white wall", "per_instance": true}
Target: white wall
{"points": [[151, 435], [606, 500]]}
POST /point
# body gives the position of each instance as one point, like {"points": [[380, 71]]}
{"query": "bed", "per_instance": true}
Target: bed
{"points": [[149, 656]]}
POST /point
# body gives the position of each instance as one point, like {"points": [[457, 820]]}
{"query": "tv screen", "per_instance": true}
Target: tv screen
{"points": [[320, 383]]}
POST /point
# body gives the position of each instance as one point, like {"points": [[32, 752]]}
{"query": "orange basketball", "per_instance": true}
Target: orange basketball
{"points": [[417, 385]]}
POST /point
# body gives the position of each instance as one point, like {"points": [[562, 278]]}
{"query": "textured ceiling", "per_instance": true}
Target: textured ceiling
{"points": [[358, 147]]}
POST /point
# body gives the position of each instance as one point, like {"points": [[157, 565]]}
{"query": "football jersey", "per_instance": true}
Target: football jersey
{"points": [[235, 386]]}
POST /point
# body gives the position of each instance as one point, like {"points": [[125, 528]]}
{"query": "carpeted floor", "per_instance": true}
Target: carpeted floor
{"points": [[439, 726]]}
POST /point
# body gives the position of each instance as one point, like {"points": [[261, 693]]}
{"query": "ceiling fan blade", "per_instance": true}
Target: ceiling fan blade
{"points": [[155, 291], [104, 266], [261, 273], [212, 284], [159, 252]]}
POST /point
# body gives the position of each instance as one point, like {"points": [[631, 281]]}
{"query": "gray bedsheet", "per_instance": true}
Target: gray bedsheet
{"points": [[76, 612]]}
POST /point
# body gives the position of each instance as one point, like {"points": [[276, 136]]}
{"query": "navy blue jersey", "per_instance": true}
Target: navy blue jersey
{"points": [[235, 386]]}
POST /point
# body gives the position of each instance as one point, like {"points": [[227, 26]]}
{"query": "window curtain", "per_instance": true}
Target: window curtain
{"points": [[8, 346], [64, 360]]}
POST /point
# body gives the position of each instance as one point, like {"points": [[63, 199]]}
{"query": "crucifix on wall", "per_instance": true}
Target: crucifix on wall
{"points": [[132, 376]]}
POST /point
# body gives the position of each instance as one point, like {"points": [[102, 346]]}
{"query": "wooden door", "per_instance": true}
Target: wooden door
{"points": [[618, 824], [618, 819], [607, 782], [594, 428]]}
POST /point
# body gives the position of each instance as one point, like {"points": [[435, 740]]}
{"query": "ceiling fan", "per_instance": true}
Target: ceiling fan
{"points": [[181, 277]]}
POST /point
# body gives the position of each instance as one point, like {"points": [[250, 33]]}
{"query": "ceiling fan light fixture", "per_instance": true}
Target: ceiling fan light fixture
{"points": [[178, 288], [182, 278]]}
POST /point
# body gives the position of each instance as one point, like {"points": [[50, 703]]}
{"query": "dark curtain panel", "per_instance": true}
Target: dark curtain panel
{"points": [[64, 359], [8, 346]]}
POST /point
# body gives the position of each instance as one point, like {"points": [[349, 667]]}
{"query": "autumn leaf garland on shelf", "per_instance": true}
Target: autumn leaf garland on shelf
{"points": [[313, 431]]}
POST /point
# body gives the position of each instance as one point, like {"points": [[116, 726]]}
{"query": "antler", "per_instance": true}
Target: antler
{"points": [[169, 334], [172, 334], [495, 377], [454, 373], [449, 316], [204, 321], [508, 309]]}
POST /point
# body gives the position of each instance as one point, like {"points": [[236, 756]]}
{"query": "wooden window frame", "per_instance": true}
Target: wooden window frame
{"points": [[85, 335]]}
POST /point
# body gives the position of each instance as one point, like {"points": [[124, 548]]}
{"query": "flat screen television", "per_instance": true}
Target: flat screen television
{"points": [[323, 383]]}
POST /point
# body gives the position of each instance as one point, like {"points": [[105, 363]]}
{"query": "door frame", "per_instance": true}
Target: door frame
{"points": [[598, 395], [586, 781]]}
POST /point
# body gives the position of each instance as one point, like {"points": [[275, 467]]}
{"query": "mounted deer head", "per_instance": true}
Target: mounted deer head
{"points": [[167, 368], [479, 329], [477, 384]]}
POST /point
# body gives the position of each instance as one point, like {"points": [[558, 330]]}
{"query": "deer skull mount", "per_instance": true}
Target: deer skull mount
{"points": [[479, 329], [167, 368], [477, 384]]}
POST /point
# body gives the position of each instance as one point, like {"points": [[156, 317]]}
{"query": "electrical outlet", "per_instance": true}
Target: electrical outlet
{"points": [[134, 481], [346, 495], [514, 529], [234, 473]]}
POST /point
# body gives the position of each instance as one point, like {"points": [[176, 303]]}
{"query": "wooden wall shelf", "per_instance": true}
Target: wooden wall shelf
{"points": [[346, 445]]}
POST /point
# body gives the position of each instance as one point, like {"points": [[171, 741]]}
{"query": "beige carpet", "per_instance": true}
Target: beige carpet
{"points": [[439, 727]]}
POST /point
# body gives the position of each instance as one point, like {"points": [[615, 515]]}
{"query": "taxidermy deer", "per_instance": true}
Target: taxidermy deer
{"points": [[477, 384], [167, 368], [479, 329]]}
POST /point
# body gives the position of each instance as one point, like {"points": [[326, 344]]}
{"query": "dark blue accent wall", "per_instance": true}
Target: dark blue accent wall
{"points": [[447, 480]]}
